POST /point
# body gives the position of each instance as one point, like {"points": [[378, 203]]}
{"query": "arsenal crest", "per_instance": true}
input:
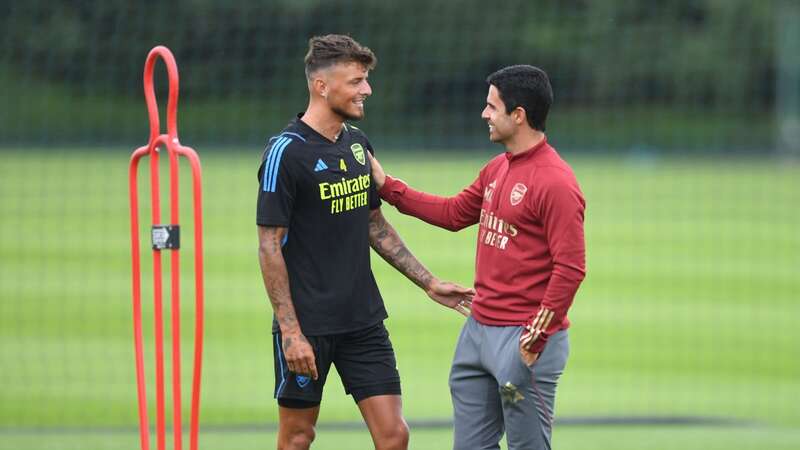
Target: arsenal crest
{"points": [[358, 153], [517, 193]]}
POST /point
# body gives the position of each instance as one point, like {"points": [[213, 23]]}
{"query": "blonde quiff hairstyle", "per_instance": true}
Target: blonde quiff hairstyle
{"points": [[325, 51]]}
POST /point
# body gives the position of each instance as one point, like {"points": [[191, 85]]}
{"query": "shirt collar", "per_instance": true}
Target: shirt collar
{"points": [[527, 154], [307, 128]]}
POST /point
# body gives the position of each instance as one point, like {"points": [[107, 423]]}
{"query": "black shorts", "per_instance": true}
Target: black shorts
{"points": [[364, 360]]}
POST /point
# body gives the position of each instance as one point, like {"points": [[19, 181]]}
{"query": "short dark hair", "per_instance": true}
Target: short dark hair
{"points": [[527, 87], [325, 51]]}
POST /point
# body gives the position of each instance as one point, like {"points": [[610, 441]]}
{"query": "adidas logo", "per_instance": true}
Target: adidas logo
{"points": [[320, 166]]}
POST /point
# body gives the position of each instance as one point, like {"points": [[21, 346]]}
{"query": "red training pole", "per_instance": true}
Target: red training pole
{"points": [[166, 237]]}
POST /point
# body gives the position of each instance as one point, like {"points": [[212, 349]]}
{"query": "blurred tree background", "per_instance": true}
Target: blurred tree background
{"points": [[688, 315], [676, 75]]}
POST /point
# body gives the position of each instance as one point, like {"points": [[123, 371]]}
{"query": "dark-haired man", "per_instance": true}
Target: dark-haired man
{"points": [[530, 261], [318, 214]]}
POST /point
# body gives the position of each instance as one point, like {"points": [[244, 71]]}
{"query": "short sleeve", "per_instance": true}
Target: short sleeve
{"points": [[276, 187]]}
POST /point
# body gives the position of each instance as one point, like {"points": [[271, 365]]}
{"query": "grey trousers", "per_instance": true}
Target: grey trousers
{"points": [[494, 391]]}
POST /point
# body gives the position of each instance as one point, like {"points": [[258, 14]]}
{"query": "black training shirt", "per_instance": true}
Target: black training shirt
{"points": [[322, 191]]}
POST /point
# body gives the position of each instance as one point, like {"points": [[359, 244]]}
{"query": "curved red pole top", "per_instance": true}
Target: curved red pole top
{"points": [[150, 95]]}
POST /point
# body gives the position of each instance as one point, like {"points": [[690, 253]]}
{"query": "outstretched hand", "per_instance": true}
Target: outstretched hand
{"points": [[451, 295], [378, 175]]}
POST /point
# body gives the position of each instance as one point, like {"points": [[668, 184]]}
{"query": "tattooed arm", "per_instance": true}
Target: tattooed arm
{"points": [[298, 352], [386, 242]]}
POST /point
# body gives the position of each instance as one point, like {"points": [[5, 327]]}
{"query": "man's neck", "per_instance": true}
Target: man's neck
{"points": [[523, 141], [323, 121]]}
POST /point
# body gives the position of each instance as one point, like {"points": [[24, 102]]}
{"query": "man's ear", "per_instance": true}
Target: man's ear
{"points": [[519, 115], [319, 86]]}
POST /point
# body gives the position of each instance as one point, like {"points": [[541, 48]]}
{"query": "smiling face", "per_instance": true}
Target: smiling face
{"points": [[502, 126], [345, 87]]}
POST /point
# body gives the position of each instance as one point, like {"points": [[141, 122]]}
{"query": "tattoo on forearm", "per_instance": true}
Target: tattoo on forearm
{"points": [[276, 280], [385, 240]]}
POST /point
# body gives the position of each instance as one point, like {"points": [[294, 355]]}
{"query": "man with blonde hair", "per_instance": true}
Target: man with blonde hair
{"points": [[318, 214]]}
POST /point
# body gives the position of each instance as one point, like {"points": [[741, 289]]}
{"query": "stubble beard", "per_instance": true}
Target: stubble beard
{"points": [[347, 115]]}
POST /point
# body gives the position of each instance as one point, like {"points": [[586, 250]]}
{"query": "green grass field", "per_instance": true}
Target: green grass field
{"points": [[690, 306]]}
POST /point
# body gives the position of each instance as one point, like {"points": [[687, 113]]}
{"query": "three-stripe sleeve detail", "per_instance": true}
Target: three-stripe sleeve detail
{"points": [[272, 164], [540, 324]]}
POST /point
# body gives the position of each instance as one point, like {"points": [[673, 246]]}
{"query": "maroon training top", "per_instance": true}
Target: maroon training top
{"points": [[530, 255]]}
